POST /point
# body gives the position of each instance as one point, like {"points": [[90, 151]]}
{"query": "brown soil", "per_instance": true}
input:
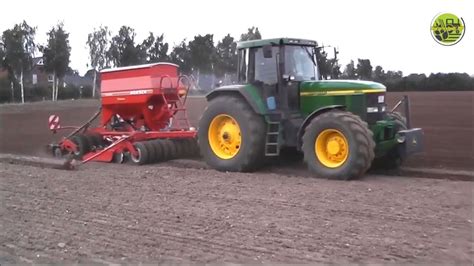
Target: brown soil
{"points": [[447, 119], [181, 211], [106, 213]]}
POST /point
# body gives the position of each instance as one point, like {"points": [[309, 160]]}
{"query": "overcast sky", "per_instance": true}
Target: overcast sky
{"points": [[393, 34]]}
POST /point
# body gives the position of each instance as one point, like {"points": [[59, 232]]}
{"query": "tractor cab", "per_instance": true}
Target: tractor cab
{"points": [[277, 67]]}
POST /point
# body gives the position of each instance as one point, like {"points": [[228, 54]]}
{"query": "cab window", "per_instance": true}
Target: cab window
{"points": [[300, 62], [263, 70], [243, 65]]}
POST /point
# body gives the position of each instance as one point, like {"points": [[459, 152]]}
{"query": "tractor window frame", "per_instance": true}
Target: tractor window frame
{"points": [[243, 65], [263, 70], [309, 64]]}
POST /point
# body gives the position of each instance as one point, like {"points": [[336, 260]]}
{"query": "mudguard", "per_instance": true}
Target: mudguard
{"points": [[250, 94]]}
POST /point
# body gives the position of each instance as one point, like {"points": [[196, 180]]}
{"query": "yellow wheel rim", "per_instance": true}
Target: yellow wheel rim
{"points": [[331, 148], [224, 136]]}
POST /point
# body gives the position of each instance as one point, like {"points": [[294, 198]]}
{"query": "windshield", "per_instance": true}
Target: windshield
{"points": [[300, 62]]}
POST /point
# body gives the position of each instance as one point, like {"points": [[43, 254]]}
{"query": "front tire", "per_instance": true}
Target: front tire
{"points": [[231, 135], [338, 145]]}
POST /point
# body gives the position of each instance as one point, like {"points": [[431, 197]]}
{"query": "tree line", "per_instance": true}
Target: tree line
{"points": [[17, 51], [200, 55], [396, 81]]}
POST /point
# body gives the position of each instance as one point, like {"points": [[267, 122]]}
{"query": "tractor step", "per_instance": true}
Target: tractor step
{"points": [[272, 146]]}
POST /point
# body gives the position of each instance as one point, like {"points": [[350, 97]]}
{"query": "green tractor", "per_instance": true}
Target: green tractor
{"points": [[341, 127]]}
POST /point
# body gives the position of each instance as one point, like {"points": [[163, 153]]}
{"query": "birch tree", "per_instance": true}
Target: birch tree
{"points": [[98, 43], [56, 56]]}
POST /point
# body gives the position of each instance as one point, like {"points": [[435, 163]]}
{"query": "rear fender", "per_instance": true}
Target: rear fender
{"points": [[247, 92]]}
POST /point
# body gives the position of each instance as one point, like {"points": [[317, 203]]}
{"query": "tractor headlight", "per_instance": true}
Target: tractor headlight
{"points": [[382, 109], [400, 138], [372, 109]]}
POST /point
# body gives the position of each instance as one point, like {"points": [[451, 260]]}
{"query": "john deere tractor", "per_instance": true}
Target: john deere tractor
{"points": [[340, 126]]}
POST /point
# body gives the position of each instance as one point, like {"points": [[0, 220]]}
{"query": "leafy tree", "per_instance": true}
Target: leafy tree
{"points": [[226, 51], [3, 63], [414, 81], [328, 68], [335, 69], [98, 42], [3, 82], [56, 56], [378, 74], [19, 48], [181, 56], [323, 63], [364, 69], [350, 71], [394, 75], [252, 34], [155, 49], [2, 53], [123, 51], [393, 79], [202, 53], [335, 66]]}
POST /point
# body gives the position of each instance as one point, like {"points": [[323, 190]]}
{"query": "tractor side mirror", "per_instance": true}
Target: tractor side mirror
{"points": [[287, 77], [267, 51]]}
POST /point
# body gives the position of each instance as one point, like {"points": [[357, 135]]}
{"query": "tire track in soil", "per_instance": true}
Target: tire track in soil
{"points": [[252, 195], [139, 236], [279, 204], [181, 238], [168, 226], [177, 228], [405, 256]]}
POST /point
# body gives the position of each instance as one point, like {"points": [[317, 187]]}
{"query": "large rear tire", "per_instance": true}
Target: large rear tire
{"points": [[338, 145], [231, 135]]}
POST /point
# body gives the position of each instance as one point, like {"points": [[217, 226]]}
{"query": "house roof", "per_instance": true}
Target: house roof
{"points": [[77, 80], [38, 61]]}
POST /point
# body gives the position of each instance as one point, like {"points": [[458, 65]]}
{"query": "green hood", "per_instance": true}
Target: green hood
{"points": [[340, 87]]}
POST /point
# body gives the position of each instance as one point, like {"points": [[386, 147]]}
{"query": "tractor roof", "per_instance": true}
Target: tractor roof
{"points": [[275, 41]]}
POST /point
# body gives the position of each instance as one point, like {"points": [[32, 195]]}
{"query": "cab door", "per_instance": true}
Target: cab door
{"points": [[297, 64], [263, 73]]}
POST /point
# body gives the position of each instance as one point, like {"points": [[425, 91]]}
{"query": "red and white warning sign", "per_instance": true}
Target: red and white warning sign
{"points": [[53, 122]]}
